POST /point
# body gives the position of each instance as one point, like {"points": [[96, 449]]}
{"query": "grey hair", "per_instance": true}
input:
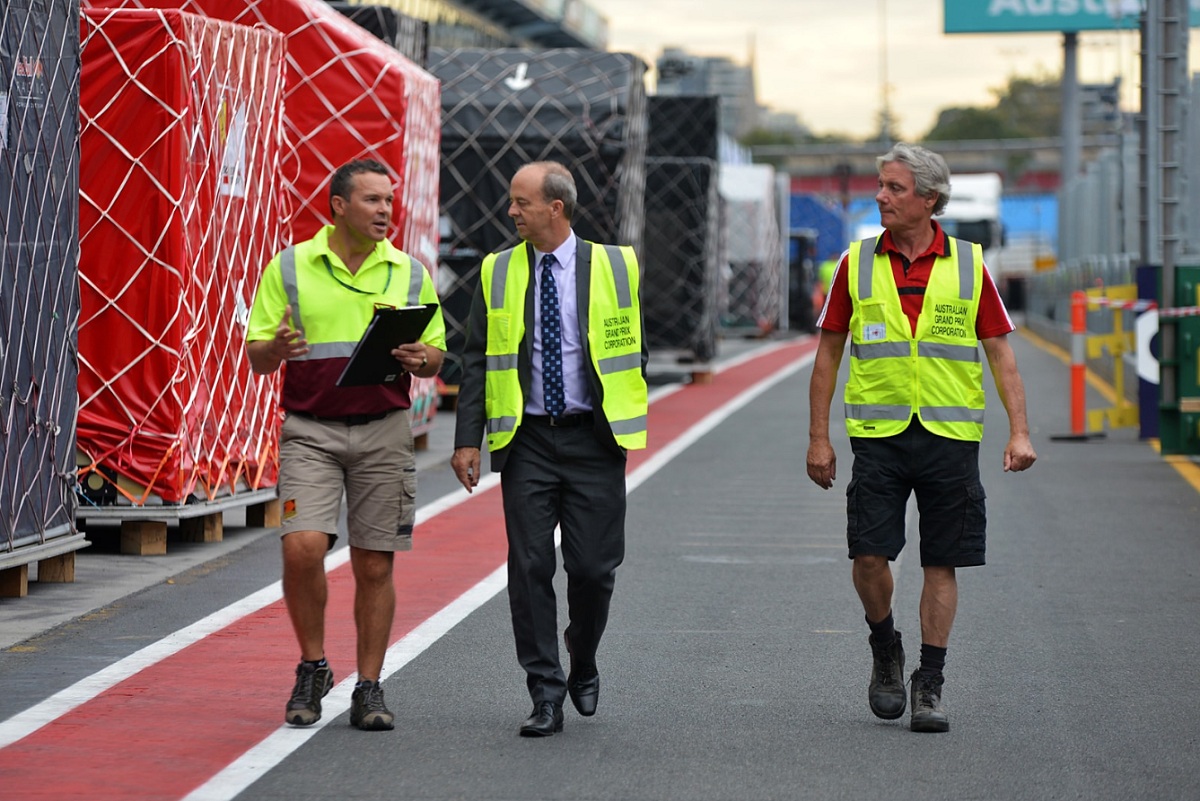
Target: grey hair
{"points": [[558, 184], [930, 173]]}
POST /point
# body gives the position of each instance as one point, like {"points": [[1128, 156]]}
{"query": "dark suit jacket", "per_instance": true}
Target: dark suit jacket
{"points": [[471, 417]]}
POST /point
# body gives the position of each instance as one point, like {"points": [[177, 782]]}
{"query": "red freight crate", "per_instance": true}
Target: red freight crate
{"points": [[179, 209], [349, 96]]}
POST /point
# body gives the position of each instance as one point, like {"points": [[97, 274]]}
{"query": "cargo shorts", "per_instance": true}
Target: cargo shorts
{"points": [[942, 473], [371, 464]]}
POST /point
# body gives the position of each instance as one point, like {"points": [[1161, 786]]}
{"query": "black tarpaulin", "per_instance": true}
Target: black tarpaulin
{"points": [[502, 109], [39, 282]]}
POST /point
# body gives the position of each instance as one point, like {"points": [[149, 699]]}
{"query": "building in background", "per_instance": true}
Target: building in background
{"points": [[785, 123], [680, 73]]}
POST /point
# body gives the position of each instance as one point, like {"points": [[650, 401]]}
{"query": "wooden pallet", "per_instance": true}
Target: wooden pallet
{"points": [[144, 528], [55, 564], [449, 397]]}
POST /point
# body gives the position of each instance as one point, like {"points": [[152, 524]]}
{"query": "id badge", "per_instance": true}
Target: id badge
{"points": [[874, 332]]}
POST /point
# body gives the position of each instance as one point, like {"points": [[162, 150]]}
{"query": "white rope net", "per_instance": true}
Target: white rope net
{"points": [[39, 290], [334, 93], [179, 208]]}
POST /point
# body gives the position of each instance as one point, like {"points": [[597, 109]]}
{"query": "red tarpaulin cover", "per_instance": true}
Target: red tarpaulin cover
{"points": [[179, 208], [349, 96]]}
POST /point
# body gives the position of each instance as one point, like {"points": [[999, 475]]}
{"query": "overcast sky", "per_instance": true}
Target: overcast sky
{"points": [[823, 59]]}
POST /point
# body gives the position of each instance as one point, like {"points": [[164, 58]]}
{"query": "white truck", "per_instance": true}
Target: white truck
{"points": [[973, 212]]}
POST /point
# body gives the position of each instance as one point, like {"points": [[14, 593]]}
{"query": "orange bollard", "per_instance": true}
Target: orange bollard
{"points": [[1078, 362]]}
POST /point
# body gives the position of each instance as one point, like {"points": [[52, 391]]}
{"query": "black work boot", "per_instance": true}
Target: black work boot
{"points": [[886, 692], [927, 712]]}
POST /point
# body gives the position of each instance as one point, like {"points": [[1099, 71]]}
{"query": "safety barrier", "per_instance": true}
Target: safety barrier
{"points": [[1118, 343]]}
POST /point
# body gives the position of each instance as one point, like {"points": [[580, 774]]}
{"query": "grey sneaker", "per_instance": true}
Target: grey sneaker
{"points": [[886, 693], [367, 709], [312, 684], [927, 712]]}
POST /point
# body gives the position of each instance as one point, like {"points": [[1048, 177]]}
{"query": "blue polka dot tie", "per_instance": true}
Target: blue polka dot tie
{"points": [[553, 394]]}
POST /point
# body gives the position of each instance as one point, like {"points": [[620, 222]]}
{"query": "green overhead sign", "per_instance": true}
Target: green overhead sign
{"points": [[1026, 16]]}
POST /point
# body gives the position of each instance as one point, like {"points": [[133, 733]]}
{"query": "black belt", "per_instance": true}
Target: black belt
{"points": [[566, 421], [345, 419]]}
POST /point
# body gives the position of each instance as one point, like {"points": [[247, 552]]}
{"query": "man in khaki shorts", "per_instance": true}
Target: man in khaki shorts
{"points": [[313, 304]]}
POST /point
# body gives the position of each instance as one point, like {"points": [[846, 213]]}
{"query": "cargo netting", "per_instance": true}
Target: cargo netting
{"points": [[406, 34], [502, 109], [179, 208], [39, 286], [348, 95], [682, 247], [344, 95], [752, 291]]}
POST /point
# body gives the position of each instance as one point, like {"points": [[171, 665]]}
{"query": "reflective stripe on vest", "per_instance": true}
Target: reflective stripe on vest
{"points": [[936, 375], [340, 349], [614, 341]]}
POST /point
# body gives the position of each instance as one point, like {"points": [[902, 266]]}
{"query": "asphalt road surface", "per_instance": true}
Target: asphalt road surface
{"points": [[735, 665]]}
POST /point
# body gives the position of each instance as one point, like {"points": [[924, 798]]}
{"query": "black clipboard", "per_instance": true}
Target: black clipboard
{"points": [[372, 361]]}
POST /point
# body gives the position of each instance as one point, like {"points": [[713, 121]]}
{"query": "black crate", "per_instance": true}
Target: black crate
{"points": [[502, 109], [683, 224], [39, 280]]}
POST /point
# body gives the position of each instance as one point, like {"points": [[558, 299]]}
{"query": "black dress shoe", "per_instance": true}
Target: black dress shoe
{"points": [[546, 719], [583, 685], [583, 682]]}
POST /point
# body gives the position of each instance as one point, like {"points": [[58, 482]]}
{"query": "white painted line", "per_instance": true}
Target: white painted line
{"points": [[277, 746], [25, 723]]}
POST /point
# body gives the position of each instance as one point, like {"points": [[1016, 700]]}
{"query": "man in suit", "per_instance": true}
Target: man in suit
{"points": [[554, 370]]}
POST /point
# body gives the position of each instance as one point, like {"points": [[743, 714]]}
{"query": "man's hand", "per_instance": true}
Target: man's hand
{"points": [[465, 463], [288, 343], [412, 356], [1018, 454], [822, 463]]}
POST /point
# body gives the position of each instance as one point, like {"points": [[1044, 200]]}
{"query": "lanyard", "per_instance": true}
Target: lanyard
{"points": [[333, 275]]}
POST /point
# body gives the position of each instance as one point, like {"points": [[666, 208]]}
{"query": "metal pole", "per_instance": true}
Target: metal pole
{"points": [[1072, 135], [1172, 82], [1148, 144], [885, 123]]}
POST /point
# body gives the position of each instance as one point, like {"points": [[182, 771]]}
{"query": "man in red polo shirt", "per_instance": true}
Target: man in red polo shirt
{"points": [[915, 304]]}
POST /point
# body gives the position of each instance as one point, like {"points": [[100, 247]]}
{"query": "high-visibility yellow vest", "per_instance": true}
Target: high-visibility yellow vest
{"points": [[614, 341], [333, 307], [937, 374]]}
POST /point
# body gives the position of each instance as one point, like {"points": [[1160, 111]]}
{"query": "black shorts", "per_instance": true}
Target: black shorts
{"points": [[944, 474]]}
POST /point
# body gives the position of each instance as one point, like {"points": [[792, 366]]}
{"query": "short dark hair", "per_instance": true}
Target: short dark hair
{"points": [[343, 177]]}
